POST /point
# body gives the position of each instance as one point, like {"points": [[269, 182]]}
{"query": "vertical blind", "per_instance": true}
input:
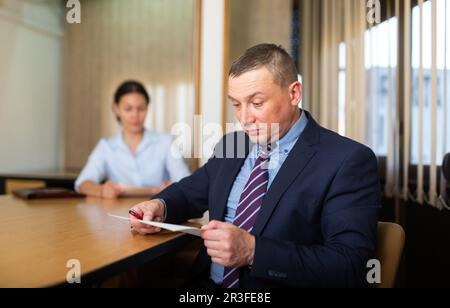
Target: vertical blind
{"points": [[429, 114], [383, 84], [325, 26]]}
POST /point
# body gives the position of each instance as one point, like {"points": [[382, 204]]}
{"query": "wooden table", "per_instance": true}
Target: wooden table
{"points": [[52, 178], [38, 238]]}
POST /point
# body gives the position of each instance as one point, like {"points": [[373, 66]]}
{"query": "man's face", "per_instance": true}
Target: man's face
{"points": [[259, 103]]}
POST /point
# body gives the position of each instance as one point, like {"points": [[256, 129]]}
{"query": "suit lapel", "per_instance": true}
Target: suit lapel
{"points": [[228, 172], [297, 160]]}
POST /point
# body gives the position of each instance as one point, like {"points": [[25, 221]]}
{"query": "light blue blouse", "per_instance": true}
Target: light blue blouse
{"points": [[154, 162]]}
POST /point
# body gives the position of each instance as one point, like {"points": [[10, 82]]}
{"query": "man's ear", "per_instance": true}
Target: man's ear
{"points": [[295, 93]]}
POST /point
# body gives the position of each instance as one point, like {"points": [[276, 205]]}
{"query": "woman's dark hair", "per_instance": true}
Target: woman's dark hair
{"points": [[130, 86]]}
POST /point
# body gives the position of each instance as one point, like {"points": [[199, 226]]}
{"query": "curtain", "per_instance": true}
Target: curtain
{"points": [[428, 100], [326, 24], [383, 83]]}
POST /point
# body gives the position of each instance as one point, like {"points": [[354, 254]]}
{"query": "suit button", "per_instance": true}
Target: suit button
{"points": [[276, 274]]}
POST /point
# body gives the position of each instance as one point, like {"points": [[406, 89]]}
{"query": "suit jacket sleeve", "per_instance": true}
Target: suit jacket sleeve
{"points": [[188, 198], [348, 224]]}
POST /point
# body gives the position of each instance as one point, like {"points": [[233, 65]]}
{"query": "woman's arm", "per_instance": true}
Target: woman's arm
{"points": [[175, 164], [93, 173], [143, 191], [91, 189], [107, 190]]}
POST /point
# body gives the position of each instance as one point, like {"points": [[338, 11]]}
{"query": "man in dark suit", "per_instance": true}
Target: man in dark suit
{"points": [[290, 203]]}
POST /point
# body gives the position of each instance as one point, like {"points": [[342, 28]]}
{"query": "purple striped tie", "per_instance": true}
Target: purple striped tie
{"points": [[247, 210]]}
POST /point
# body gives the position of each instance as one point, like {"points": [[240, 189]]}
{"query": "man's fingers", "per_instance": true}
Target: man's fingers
{"points": [[138, 210], [214, 253], [215, 235], [217, 245], [139, 225], [218, 261], [145, 231], [150, 211], [148, 216], [135, 223], [143, 210], [215, 224]]}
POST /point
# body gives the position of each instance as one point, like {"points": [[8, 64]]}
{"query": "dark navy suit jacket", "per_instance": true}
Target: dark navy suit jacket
{"points": [[318, 222]]}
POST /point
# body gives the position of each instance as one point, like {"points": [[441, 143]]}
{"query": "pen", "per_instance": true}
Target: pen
{"points": [[136, 215]]}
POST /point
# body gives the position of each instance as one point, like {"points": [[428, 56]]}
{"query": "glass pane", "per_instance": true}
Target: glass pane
{"points": [[381, 81], [442, 137]]}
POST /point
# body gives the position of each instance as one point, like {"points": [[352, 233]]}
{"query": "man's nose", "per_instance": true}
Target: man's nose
{"points": [[247, 116]]}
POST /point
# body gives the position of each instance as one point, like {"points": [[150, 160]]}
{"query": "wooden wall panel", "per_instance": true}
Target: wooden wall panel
{"points": [[257, 21], [151, 41]]}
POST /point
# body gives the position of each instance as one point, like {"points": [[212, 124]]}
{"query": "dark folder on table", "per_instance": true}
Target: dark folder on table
{"points": [[46, 193]]}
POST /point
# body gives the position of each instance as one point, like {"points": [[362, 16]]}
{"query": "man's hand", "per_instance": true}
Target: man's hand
{"points": [[110, 190], [152, 210], [228, 245]]}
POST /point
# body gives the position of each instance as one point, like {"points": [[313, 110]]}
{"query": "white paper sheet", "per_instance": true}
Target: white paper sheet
{"points": [[171, 227]]}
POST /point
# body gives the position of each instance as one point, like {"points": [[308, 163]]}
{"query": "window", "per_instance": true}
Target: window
{"points": [[381, 82], [443, 83]]}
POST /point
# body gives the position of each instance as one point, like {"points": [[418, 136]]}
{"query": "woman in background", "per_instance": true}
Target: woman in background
{"points": [[135, 157]]}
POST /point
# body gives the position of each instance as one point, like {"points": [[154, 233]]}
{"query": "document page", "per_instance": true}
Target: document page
{"points": [[170, 227]]}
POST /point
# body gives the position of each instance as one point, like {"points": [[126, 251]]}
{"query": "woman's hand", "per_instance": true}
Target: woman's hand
{"points": [[157, 190], [110, 190]]}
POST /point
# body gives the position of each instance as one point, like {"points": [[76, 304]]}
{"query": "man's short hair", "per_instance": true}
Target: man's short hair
{"points": [[273, 57]]}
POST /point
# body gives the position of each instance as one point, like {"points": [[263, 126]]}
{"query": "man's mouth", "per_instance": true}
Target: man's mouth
{"points": [[252, 131]]}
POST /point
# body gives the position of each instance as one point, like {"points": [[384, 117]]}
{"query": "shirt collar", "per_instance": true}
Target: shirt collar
{"points": [[294, 132], [148, 138], [287, 141]]}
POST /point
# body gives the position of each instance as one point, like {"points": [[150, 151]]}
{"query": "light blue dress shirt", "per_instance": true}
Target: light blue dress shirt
{"points": [[277, 158], [155, 161]]}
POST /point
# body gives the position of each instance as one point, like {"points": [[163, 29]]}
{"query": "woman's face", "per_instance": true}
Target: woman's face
{"points": [[132, 110]]}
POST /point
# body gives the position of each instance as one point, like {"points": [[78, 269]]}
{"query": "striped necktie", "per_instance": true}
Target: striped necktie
{"points": [[247, 210]]}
